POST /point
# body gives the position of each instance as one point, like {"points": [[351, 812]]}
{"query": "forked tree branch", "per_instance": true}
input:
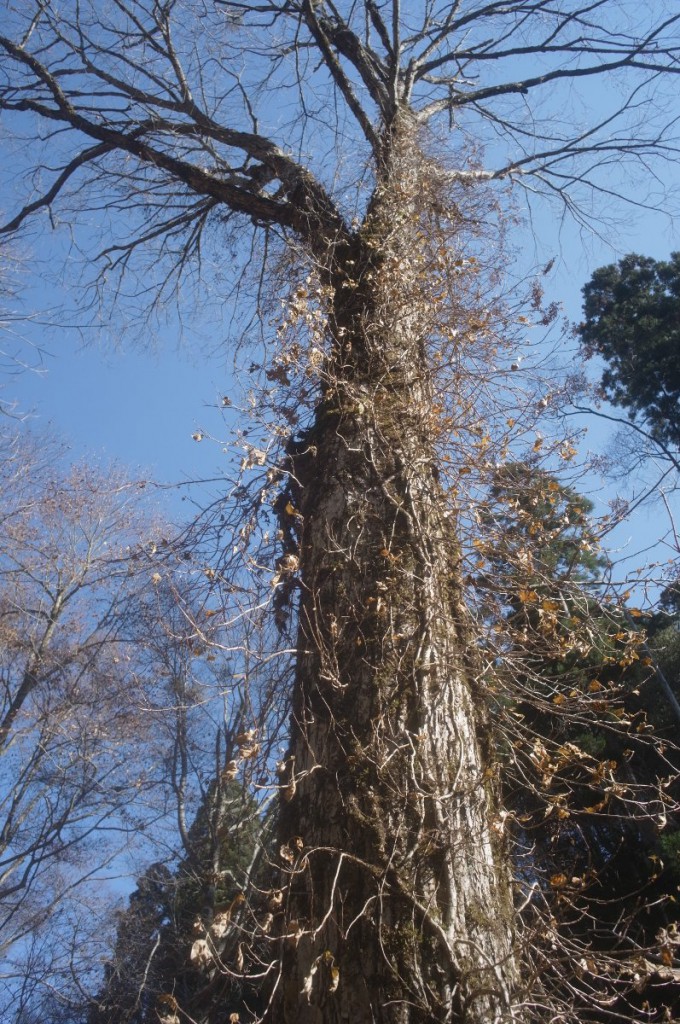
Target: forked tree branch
{"points": [[133, 83]]}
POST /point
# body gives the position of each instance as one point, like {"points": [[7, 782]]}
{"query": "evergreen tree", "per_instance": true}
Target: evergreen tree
{"points": [[177, 926], [130, 978], [632, 321], [569, 642]]}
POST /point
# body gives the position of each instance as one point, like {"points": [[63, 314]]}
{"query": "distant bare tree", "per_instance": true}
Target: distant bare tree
{"points": [[69, 709]]}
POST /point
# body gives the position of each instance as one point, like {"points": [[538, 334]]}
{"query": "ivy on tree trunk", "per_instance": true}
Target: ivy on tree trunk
{"points": [[399, 906]]}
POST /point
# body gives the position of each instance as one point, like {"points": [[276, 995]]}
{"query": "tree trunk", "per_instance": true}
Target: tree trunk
{"points": [[399, 905]]}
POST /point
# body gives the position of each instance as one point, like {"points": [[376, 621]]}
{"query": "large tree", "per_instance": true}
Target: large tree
{"points": [[323, 127]]}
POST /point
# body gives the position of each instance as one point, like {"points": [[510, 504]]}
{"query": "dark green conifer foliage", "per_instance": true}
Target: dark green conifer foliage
{"points": [[125, 996], [152, 968], [632, 320]]}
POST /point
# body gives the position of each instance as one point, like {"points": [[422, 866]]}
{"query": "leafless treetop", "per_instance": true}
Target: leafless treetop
{"points": [[282, 111]]}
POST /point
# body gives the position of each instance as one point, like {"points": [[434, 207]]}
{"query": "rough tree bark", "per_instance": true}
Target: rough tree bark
{"points": [[400, 908]]}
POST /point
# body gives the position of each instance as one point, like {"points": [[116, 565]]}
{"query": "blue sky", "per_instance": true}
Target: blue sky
{"points": [[141, 408]]}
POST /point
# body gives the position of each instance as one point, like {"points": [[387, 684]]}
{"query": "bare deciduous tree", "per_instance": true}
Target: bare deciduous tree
{"points": [[323, 126], [69, 709]]}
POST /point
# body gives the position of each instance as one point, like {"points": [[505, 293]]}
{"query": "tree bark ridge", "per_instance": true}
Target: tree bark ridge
{"points": [[391, 751]]}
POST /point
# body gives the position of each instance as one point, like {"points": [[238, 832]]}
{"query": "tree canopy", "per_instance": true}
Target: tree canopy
{"points": [[182, 116]]}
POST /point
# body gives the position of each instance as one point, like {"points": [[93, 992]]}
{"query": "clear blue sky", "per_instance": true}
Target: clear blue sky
{"points": [[141, 408]]}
